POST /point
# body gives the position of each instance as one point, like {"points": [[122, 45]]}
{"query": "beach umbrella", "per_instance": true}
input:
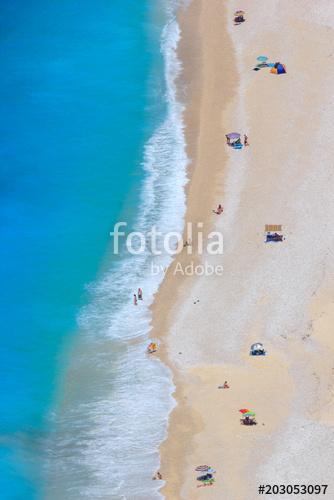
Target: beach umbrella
{"points": [[249, 414], [257, 347], [244, 410], [262, 58], [233, 135], [239, 13], [203, 468]]}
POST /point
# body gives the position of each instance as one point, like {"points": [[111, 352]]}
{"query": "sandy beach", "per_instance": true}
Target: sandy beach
{"points": [[278, 294]]}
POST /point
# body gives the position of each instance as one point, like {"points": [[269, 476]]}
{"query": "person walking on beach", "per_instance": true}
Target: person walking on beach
{"points": [[246, 143], [140, 294], [135, 302]]}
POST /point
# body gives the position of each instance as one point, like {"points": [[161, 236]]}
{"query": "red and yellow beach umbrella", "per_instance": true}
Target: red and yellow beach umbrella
{"points": [[244, 410]]}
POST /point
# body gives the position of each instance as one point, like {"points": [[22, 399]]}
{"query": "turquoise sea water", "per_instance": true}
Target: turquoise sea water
{"points": [[82, 91]]}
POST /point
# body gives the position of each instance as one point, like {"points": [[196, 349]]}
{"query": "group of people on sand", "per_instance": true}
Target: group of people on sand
{"points": [[137, 296], [239, 17], [248, 421]]}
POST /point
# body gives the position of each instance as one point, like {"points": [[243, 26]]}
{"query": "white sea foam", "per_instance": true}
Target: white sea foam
{"points": [[113, 415]]}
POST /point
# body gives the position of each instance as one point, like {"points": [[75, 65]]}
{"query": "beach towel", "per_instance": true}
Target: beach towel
{"points": [[205, 477]]}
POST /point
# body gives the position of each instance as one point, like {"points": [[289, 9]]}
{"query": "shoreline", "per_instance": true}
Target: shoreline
{"points": [[109, 353]]}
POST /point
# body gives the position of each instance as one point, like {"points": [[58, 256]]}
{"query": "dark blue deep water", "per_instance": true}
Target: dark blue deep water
{"points": [[77, 107]]}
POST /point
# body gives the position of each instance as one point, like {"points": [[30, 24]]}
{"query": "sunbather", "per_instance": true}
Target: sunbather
{"points": [[248, 421], [239, 16], [219, 210], [239, 19], [225, 386], [274, 237]]}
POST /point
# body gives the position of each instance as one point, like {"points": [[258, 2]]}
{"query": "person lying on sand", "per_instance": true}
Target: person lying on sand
{"points": [[225, 386], [239, 17], [219, 210], [239, 20]]}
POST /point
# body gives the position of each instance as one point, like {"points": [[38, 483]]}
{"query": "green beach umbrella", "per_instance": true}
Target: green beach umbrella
{"points": [[249, 414], [262, 58]]}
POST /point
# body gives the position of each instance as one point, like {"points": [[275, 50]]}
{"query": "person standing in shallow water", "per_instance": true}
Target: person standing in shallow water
{"points": [[135, 299], [140, 294]]}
